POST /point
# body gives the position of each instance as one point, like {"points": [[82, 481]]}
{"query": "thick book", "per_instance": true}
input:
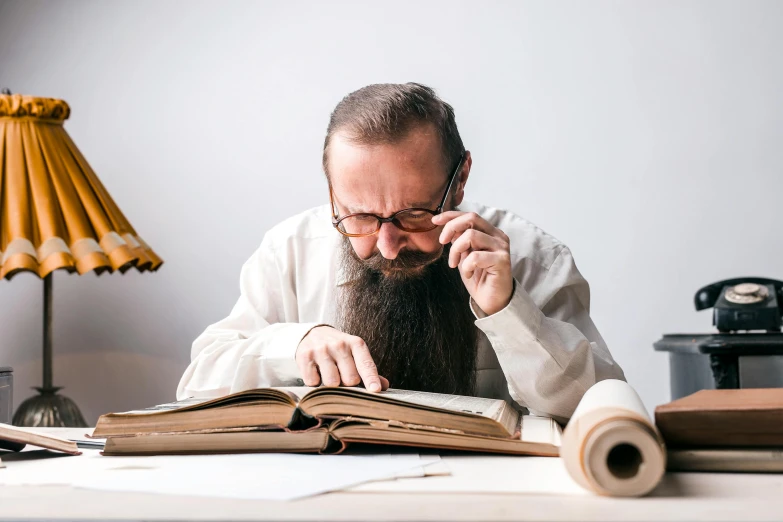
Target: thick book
{"points": [[750, 417], [734, 460], [326, 420]]}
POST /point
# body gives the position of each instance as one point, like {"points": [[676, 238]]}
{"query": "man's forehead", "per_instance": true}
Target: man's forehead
{"points": [[358, 202], [382, 190], [418, 150], [384, 177]]}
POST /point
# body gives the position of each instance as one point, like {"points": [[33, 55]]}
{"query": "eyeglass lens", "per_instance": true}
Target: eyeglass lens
{"points": [[409, 220]]}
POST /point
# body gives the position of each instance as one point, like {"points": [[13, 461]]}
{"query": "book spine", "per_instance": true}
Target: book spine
{"points": [[302, 421], [334, 446]]}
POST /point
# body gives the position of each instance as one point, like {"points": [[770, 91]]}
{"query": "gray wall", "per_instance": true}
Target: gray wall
{"points": [[645, 135]]}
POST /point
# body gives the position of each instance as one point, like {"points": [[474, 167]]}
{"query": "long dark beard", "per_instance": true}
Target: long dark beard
{"points": [[414, 315]]}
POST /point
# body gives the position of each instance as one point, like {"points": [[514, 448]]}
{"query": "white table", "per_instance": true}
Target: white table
{"points": [[681, 496]]}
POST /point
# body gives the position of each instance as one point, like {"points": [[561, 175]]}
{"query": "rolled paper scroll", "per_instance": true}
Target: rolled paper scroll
{"points": [[610, 446]]}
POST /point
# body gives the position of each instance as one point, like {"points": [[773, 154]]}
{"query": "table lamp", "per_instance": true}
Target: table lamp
{"points": [[55, 214]]}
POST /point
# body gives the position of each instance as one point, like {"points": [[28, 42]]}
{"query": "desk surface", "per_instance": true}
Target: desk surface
{"points": [[681, 496]]}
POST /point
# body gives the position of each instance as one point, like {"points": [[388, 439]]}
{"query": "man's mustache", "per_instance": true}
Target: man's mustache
{"points": [[406, 261]]}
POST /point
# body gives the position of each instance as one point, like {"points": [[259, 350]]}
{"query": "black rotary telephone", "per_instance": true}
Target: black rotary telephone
{"points": [[744, 303]]}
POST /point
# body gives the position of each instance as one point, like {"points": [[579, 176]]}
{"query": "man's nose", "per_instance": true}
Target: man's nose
{"points": [[390, 240]]}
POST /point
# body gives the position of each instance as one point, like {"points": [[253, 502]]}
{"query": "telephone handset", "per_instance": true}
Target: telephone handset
{"points": [[744, 303]]}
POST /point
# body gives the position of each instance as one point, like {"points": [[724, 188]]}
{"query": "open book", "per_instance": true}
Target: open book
{"points": [[326, 420]]}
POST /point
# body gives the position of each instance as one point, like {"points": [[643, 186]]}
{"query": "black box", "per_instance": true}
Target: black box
{"points": [[6, 394], [723, 361]]}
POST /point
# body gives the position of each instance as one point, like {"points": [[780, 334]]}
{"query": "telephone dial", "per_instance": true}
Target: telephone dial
{"points": [[745, 303]]}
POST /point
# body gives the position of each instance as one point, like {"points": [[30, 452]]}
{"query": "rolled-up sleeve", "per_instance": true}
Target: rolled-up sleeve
{"points": [[547, 345]]}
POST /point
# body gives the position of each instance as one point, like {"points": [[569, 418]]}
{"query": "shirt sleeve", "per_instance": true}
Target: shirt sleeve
{"points": [[252, 347], [550, 351]]}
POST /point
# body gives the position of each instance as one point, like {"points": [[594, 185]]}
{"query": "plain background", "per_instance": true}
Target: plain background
{"points": [[644, 135]]}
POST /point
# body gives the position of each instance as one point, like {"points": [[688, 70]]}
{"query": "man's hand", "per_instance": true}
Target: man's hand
{"points": [[481, 251], [333, 357]]}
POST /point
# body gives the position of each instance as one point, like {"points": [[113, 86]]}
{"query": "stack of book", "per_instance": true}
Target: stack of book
{"points": [[327, 420], [724, 430]]}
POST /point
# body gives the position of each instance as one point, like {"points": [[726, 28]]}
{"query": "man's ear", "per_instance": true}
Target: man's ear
{"points": [[462, 180]]}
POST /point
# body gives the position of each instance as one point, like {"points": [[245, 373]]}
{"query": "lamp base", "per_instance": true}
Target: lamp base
{"points": [[49, 410]]}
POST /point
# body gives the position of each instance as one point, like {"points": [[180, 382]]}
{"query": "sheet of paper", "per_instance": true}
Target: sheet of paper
{"points": [[426, 470], [431, 463], [487, 474], [251, 476], [39, 467], [254, 476]]}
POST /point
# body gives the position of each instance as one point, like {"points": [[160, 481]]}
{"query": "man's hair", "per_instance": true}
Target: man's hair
{"points": [[387, 112]]}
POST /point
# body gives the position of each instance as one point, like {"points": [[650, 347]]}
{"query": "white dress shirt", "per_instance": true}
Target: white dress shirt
{"points": [[542, 351]]}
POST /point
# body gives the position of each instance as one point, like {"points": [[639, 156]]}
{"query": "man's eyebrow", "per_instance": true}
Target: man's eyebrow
{"points": [[417, 204], [421, 204]]}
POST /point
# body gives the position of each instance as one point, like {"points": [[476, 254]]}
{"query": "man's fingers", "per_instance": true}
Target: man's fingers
{"points": [[338, 359], [330, 375], [347, 366], [473, 240], [481, 260], [384, 383], [310, 374], [446, 216], [456, 223], [366, 367]]}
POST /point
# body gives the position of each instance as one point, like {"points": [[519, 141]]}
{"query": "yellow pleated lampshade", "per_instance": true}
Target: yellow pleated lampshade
{"points": [[54, 211]]}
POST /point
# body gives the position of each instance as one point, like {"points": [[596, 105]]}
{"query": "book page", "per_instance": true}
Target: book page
{"points": [[169, 406], [492, 408], [477, 415], [298, 391], [243, 398], [534, 428]]}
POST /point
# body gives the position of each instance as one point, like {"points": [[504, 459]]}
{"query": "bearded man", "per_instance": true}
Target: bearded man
{"points": [[399, 282]]}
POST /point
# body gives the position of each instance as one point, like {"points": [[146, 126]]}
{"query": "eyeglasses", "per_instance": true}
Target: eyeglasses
{"points": [[412, 220]]}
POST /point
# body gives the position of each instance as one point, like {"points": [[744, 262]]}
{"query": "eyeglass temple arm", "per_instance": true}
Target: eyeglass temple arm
{"points": [[331, 203], [451, 182]]}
